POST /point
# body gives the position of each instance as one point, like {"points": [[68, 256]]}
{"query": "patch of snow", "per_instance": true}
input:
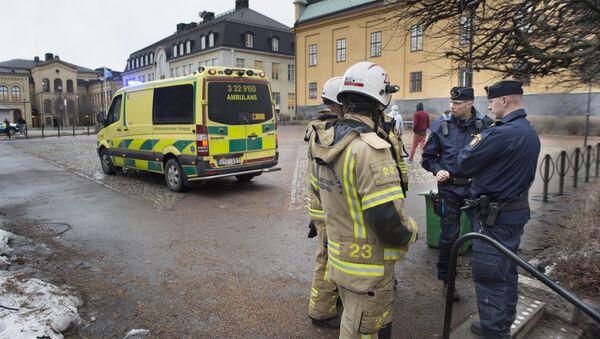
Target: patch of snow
{"points": [[33, 308], [4, 238], [136, 333]]}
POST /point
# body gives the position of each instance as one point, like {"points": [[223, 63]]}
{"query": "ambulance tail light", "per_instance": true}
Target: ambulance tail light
{"points": [[202, 140]]}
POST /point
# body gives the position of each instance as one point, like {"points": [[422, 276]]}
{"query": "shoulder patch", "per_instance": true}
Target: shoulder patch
{"points": [[476, 140], [374, 141]]}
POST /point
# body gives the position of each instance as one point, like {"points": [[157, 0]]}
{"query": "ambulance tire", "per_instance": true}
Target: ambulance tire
{"points": [[245, 177], [106, 162], [174, 176]]}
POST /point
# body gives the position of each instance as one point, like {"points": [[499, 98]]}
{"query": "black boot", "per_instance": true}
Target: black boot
{"points": [[456, 296], [385, 332], [333, 323]]}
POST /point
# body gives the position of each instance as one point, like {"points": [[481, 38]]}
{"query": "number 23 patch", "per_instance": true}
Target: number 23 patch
{"points": [[384, 172]]}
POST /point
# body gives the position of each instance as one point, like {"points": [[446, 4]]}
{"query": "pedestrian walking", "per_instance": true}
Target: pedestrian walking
{"points": [[420, 126], [440, 158], [502, 161], [359, 185], [322, 304], [21, 123], [7, 127]]}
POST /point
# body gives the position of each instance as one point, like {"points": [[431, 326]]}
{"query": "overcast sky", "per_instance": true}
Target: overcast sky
{"points": [[96, 33]]}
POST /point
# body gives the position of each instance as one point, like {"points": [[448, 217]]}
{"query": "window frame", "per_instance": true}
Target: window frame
{"points": [[312, 90], [415, 82], [376, 46], [416, 38], [275, 44], [291, 73], [275, 69], [340, 50], [167, 117], [312, 55], [4, 93], [248, 40]]}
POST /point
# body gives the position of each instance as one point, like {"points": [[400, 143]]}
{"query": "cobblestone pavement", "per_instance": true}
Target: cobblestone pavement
{"points": [[78, 155]]}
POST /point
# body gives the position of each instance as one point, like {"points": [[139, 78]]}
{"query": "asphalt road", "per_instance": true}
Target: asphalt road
{"points": [[225, 259]]}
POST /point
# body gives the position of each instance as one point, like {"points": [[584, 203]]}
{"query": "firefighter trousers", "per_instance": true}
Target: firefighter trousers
{"points": [[323, 292]]}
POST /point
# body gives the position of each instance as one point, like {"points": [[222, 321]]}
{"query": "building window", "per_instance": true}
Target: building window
{"points": [[151, 58], [3, 93], [16, 93], [70, 86], [58, 86], [464, 77], [174, 51], [416, 81], [277, 99], [275, 44], [375, 44], [203, 42], [416, 38], [47, 106], [291, 101], [258, 64], [240, 62], [146, 59], [275, 71], [340, 47], [291, 73], [45, 85], [211, 39], [312, 90], [181, 51], [312, 55], [248, 40], [465, 30], [188, 46]]}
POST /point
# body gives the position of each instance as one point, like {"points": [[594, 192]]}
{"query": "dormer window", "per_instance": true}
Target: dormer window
{"points": [[249, 40], [211, 39], [188, 46], [181, 46], [151, 58], [174, 51], [275, 44]]}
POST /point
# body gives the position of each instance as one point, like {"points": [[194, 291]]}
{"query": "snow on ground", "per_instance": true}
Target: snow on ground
{"points": [[32, 308]]}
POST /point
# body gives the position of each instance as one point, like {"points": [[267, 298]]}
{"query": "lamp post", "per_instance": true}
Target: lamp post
{"points": [[587, 116]]}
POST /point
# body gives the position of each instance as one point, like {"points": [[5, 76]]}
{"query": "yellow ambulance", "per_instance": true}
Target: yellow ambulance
{"points": [[216, 123]]}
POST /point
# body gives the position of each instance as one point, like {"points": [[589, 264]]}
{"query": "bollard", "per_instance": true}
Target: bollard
{"points": [[576, 166], [58, 130], [43, 130], [546, 174], [561, 162], [588, 162], [73, 128], [87, 124], [597, 158]]}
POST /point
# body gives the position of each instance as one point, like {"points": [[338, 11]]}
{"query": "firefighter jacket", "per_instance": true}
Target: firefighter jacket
{"points": [[315, 209], [359, 186]]}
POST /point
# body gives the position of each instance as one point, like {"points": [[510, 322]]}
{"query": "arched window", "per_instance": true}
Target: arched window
{"points": [[151, 58], [16, 93], [146, 59], [188, 46], [203, 42], [181, 51], [174, 51], [45, 85], [3, 93], [211, 39], [47, 106], [58, 86], [249, 40], [69, 86]]}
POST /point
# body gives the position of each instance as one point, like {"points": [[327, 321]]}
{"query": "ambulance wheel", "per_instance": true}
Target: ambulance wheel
{"points": [[174, 176], [245, 177], [107, 164]]}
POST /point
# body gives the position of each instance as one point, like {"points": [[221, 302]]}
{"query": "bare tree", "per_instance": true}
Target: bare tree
{"points": [[518, 39]]}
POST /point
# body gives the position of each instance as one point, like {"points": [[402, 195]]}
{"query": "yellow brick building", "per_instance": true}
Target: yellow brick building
{"points": [[332, 35]]}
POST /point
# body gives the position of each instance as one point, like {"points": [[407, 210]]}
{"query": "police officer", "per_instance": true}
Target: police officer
{"points": [[323, 292], [440, 158], [502, 161], [363, 198]]}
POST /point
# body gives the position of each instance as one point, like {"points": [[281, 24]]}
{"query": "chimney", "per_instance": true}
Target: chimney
{"points": [[36, 59], [181, 27], [207, 16], [56, 57], [48, 56], [240, 4]]}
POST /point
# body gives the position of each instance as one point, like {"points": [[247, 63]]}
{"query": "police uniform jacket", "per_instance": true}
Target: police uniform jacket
{"points": [[359, 185], [441, 151], [502, 160]]}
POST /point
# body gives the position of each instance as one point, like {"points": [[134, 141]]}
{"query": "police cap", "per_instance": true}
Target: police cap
{"points": [[462, 93], [503, 88]]}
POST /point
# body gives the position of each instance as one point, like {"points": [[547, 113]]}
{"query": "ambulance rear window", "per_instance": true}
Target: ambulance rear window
{"points": [[237, 103]]}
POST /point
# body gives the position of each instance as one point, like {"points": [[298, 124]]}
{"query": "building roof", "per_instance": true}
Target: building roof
{"points": [[228, 28], [326, 7], [30, 64]]}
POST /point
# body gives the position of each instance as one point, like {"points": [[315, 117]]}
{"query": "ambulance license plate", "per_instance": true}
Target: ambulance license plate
{"points": [[228, 161]]}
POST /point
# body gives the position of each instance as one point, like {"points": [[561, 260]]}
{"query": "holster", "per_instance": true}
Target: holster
{"points": [[436, 202]]}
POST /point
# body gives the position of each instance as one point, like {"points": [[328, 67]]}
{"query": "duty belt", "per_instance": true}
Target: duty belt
{"points": [[457, 182], [489, 209]]}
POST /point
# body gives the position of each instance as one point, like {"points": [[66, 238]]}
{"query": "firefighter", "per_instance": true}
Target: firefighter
{"points": [[324, 295], [361, 190], [502, 161], [440, 158]]}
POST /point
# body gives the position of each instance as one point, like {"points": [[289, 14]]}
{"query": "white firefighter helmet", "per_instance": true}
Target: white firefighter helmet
{"points": [[330, 89], [369, 79]]}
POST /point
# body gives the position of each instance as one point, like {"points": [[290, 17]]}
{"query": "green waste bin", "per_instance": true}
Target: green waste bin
{"points": [[433, 226]]}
